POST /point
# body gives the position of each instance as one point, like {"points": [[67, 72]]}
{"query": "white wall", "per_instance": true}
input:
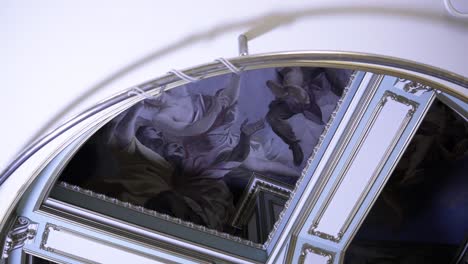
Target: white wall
{"points": [[52, 52]]}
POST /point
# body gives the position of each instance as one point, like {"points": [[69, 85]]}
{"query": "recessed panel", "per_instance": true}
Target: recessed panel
{"points": [[86, 249], [313, 255], [383, 130]]}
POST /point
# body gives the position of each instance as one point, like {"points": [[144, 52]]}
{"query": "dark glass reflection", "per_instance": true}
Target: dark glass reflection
{"points": [[421, 215], [192, 152]]}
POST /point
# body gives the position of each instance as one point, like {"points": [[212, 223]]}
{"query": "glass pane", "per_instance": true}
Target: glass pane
{"points": [[223, 153]]}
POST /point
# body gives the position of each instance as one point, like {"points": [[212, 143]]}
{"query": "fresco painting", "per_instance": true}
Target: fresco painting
{"points": [[190, 152]]}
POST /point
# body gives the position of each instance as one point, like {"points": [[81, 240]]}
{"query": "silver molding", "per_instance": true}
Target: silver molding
{"points": [[23, 231], [311, 158], [351, 60], [81, 137], [370, 89], [243, 45], [459, 109], [146, 211], [255, 185], [373, 85], [411, 87], [309, 249], [29, 254], [462, 254], [382, 186], [208, 230], [53, 153], [135, 234], [52, 227], [386, 96], [191, 225], [45, 236], [331, 59]]}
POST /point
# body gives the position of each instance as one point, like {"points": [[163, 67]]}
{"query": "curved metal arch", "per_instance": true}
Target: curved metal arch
{"points": [[359, 61], [324, 59]]}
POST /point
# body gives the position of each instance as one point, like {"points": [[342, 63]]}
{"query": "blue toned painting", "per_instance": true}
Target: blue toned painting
{"points": [[190, 152]]}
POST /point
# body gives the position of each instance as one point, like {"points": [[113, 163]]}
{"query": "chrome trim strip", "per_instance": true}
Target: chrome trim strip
{"points": [[175, 244], [357, 61], [462, 110], [166, 217], [52, 227], [373, 85], [81, 137], [69, 136], [243, 45]]}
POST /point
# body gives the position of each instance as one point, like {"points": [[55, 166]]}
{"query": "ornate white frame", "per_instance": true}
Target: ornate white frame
{"points": [[424, 74], [414, 105]]}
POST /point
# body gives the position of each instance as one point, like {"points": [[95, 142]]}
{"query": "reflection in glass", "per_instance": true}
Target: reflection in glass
{"points": [[192, 152]]}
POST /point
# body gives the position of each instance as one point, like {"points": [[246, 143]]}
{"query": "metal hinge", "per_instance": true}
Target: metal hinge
{"points": [[22, 232]]}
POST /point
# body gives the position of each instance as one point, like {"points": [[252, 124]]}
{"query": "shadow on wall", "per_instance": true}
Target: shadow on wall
{"points": [[257, 26]]}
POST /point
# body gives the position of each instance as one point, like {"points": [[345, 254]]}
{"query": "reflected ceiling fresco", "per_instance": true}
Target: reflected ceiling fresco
{"points": [[191, 152]]}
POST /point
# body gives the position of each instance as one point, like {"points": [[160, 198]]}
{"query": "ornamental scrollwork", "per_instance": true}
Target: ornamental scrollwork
{"points": [[411, 86], [22, 231], [309, 249]]}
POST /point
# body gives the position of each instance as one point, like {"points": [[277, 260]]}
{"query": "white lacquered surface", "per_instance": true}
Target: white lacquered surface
{"points": [[82, 248], [364, 165], [314, 258]]}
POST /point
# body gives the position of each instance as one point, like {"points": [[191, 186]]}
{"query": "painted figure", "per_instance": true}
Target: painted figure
{"points": [[292, 98], [180, 114]]}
